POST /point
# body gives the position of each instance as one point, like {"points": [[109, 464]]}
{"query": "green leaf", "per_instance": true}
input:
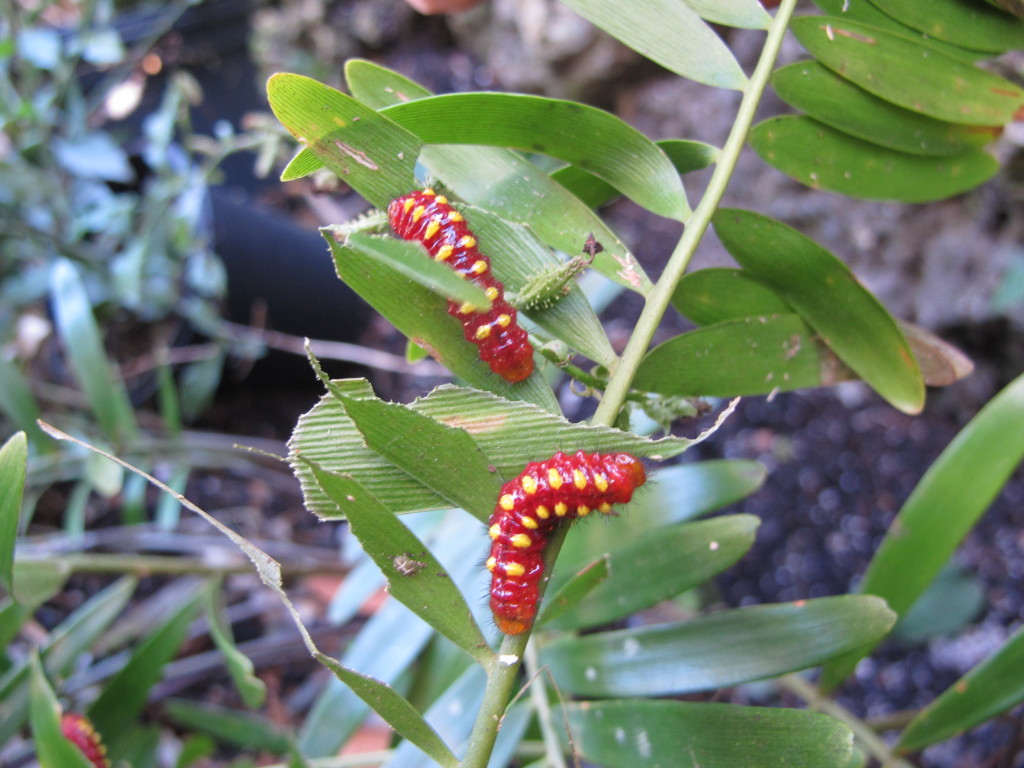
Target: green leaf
{"points": [[723, 649], [35, 582], [748, 356], [251, 688], [951, 602], [510, 433], [52, 749], [250, 730], [423, 316], [915, 76], [670, 34], [304, 163], [414, 576], [864, 11], [685, 156], [824, 158], [942, 509], [746, 14], [966, 23], [502, 182], [710, 296], [372, 154], [595, 140], [828, 297], [19, 405], [411, 260], [445, 459], [991, 688], [125, 695], [13, 464], [83, 345], [835, 101], [683, 734], [567, 596], [661, 564]]}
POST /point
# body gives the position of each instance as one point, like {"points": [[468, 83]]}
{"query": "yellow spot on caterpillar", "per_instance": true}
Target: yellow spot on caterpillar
{"points": [[542, 512], [492, 293], [467, 241], [554, 479], [605, 508], [429, 191], [456, 217], [507, 502], [444, 253], [482, 332], [494, 531], [466, 308], [579, 479], [408, 204], [514, 569], [601, 482], [504, 321], [521, 541], [582, 510], [432, 226], [492, 563], [561, 509], [417, 213], [479, 267], [528, 522], [529, 484], [442, 200]]}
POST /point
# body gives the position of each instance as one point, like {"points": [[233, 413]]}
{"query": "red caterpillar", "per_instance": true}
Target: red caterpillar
{"points": [[427, 217], [79, 731], [563, 487]]}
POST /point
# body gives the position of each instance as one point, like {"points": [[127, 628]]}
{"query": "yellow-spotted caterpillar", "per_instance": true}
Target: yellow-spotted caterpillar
{"points": [[429, 218], [79, 731], [530, 506]]}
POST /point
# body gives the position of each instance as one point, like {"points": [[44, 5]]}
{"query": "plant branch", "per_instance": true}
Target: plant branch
{"points": [[660, 296]]}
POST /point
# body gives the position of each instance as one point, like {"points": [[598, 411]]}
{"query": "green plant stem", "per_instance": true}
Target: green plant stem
{"points": [[863, 733], [660, 296], [539, 697], [503, 674], [146, 565]]}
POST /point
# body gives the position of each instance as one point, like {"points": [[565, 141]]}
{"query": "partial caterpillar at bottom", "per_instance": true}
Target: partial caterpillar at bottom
{"points": [[427, 217], [530, 506]]}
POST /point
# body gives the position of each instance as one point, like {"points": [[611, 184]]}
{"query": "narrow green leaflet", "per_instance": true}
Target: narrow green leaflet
{"points": [[19, 405], [991, 688], [501, 181], [747, 356], [684, 734], [411, 260], [835, 101], [824, 158], [251, 688], [967, 24], [83, 345], [828, 297], [116, 709], [414, 576], [942, 509], [13, 464], [423, 316], [663, 563], [590, 138], [715, 651], [304, 163], [746, 14], [685, 156], [510, 434], [52, 749], [372, 154], [568, 595], [715, 295], [670, 34], [915, 76], [249, 730], [445, 459]]}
